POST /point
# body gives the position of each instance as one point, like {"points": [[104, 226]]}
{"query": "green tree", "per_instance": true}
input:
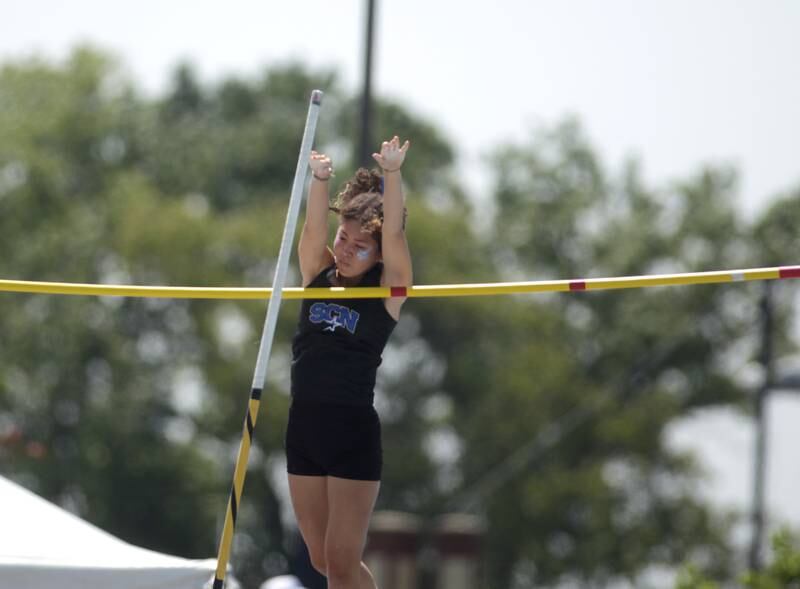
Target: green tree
{"points": [[130, 410], [127, 409], [782, 572], [547, 414], [572, 394]]}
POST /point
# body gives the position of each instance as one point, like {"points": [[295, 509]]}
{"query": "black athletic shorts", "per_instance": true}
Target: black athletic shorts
{"points": [[334, 440]]}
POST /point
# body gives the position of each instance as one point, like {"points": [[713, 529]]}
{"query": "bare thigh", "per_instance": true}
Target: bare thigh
{"points": [[310, 502], [350, 505]]}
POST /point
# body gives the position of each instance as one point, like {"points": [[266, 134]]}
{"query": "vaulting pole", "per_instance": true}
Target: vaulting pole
{"points": [[267, 335]]}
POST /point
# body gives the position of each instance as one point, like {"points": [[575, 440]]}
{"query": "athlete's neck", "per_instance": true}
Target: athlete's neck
{"points": [[339, 280]]}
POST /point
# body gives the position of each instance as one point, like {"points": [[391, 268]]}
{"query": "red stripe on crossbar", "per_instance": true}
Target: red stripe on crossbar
{"points": [[789, 272], [398, 291], [577, 285]]}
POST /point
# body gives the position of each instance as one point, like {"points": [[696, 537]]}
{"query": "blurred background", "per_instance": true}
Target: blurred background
{"points": [[614, 439]]}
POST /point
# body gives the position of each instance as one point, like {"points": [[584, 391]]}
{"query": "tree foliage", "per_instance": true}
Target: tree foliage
{"points": [[547, 414], [782, 572]]}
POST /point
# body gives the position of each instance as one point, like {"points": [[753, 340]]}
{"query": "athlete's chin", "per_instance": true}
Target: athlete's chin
{"points": [[352, 268], [346, 269]]}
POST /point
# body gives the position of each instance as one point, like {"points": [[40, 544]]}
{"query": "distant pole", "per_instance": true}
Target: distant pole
{"points": [[760, 454], [365, 147]]}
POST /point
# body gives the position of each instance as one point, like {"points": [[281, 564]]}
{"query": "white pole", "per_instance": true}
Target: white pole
{"points": [[286, 244], [267, 335]]}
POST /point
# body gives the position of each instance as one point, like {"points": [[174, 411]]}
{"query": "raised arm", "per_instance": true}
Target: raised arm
{"points": [[313, 247], [394, 246]]}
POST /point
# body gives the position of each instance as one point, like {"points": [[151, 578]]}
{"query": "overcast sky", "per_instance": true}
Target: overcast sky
{"points": [[675, 83]]}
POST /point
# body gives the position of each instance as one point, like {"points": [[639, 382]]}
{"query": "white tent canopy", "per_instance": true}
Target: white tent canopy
{"points": [[43, 546]]}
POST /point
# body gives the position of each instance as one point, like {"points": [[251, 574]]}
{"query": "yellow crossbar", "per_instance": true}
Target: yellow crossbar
{"points": [[440, 290]]}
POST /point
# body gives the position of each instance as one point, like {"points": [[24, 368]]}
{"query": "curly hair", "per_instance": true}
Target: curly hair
{"points": [[361, 199]]}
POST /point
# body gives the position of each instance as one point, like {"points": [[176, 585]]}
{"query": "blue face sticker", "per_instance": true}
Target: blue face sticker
{"points": [[363, 254]]}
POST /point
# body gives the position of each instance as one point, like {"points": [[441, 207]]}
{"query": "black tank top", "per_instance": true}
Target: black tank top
{"points": [[337, 348]]}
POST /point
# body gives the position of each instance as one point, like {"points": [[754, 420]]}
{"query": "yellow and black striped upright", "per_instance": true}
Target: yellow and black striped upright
{"points": [[236, 488]]}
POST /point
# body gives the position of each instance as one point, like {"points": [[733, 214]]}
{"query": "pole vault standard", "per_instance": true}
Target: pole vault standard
{"points": [[267, 336]]}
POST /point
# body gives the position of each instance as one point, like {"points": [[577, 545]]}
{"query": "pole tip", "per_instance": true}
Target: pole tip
{"points": [[316, 97]]}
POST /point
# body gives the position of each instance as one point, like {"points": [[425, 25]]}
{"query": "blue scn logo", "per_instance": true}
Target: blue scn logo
{"points": [[334, 315]]}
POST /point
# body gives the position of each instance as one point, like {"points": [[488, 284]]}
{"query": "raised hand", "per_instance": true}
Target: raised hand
{"points": [[392, 155], [321, 165]]}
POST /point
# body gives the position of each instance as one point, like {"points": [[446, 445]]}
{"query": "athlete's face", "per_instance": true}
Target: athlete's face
{"points": [[355, 251]]}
